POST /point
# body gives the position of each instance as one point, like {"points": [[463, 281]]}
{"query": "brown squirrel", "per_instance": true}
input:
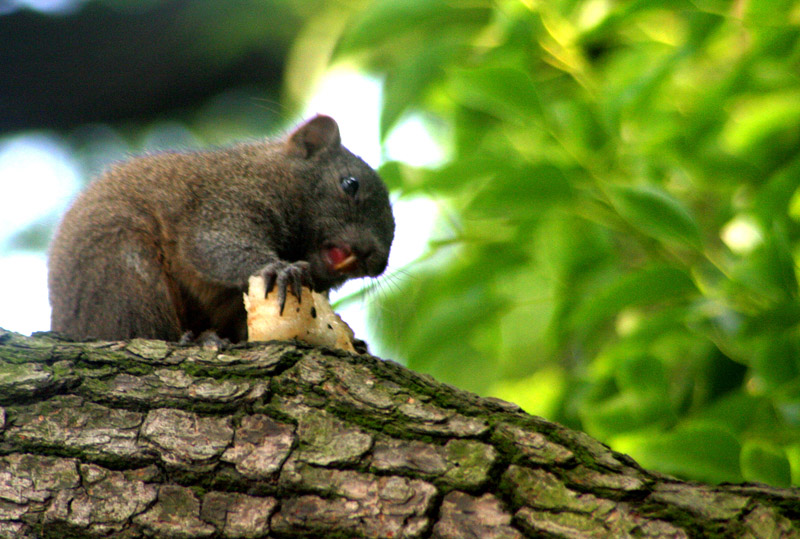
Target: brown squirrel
{"points": [[164, 244]]}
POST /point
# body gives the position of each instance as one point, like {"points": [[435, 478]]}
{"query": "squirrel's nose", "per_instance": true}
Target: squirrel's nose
{"points": [[371, 258]]}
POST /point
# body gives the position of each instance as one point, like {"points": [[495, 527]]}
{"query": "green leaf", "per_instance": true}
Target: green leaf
{"points": [[620, 414], [793, 455], [774, 361], [625, 13], [644, 287], [702, 451], [757, 119], [768, 11], [504, 92], [538, 394], [644, 375], [765, 463], [392, 174], [768, 272], [656, 213], [386, 19], [407, 83], [580, 124], [780, 194], [642, 401], [735, 411], [522, 193], [462, 174]]}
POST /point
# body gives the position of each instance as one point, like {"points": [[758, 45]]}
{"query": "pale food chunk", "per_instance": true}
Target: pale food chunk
{"points": [[312, 320]]}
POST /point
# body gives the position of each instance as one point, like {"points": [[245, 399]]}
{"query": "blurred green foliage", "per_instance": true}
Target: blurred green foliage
{"points": [[622, 213]]}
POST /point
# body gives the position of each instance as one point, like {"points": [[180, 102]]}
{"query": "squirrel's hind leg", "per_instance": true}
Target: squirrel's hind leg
{"points": [[120, 292]]}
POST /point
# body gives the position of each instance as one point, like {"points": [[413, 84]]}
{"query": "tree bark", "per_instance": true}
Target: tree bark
{"points": [[147, 438]]}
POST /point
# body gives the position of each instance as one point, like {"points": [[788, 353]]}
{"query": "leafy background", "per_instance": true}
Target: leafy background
{"points": [[619, 202], [620, 212]]}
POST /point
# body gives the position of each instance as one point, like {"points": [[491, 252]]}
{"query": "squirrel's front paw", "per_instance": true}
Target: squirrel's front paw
{"points": [[286, 275]]}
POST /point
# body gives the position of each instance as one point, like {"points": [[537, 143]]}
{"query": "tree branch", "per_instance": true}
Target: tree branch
{"points": [[285, 440]]}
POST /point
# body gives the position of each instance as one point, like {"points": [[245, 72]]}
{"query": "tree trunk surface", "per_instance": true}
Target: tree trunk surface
{"points": [[153, 439]]}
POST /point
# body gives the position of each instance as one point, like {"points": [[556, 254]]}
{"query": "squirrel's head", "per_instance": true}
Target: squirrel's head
{"points": [[346, 209]]}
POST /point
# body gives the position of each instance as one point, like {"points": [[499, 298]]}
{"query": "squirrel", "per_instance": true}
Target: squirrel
{"points": [[162, 246]]}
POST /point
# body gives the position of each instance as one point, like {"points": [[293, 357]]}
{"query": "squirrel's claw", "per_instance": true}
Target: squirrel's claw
{"points": [[286, 275]]}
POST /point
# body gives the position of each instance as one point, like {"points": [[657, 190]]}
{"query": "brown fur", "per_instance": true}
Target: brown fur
{"points": [[165, 243]]}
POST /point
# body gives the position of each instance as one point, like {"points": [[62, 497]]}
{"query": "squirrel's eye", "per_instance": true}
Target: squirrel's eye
{"points": [[350, 185]]}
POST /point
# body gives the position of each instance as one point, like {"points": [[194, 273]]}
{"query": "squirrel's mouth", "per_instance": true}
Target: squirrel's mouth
{"points": [[341, 259]]}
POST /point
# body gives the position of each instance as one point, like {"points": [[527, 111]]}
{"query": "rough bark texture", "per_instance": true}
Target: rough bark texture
{"points": [[146, 438]]}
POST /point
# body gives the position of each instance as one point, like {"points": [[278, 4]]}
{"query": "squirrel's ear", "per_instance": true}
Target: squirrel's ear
{"points": [[319, 133]]}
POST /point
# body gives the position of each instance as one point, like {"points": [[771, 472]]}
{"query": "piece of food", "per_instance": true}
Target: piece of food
{"points": [[311, 320]]}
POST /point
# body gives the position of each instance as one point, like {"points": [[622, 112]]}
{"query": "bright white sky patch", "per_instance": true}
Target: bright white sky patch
{"points": [[38, 179], [50, 6], [412, 143], [742, 234], [24, 306]]}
